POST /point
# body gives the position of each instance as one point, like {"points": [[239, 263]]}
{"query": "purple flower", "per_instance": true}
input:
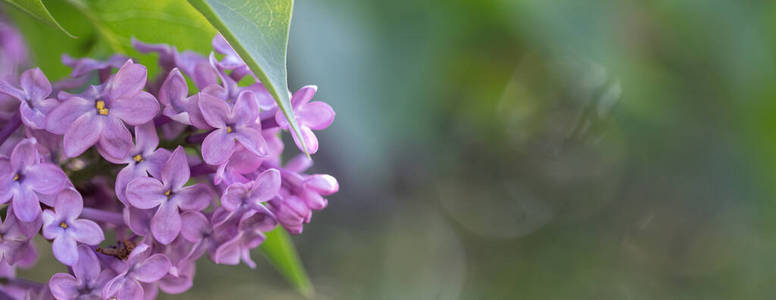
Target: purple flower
{"points": [[87, 280], [233, 125], [291, 212], [140, 267], [24, 176], [63, 226], [253, 193], [34, 101], [16, 245], [177, 104], [141, 159], [96, 117], [250, 234], [309, 116], [181, 274], [169, 195]]}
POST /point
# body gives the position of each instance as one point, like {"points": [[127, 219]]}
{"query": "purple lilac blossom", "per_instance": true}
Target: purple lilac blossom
{"points": [[140, 267], [24, 177], [310, 116], [64, 227], [73, 171], [169, 195], [87, 279], [233, 125], [33, 96], [98, 117]]}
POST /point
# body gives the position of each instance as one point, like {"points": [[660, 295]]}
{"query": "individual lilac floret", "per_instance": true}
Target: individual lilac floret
{"points": [[253, 193], [309, 116], [87, 280], [177, 104], [63, 226], [23, 177], [140, 267], [16, 245], [96, 117], [33, 96], [250, 234], [233, 125], [143, 158], [169, 195]]}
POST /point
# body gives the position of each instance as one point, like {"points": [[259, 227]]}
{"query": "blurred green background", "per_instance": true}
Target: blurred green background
{"points": [[531, 149]]}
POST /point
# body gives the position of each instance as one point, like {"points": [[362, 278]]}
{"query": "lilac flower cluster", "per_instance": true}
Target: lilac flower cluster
{"points": [[169, 174]]}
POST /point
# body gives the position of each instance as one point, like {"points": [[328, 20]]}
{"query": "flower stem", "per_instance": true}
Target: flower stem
{"points": [[102, 216], [10, 127]]}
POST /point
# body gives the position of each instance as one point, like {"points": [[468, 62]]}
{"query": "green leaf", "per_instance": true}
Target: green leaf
{"points": [[258, 31], [160, 21], [280, 251], [37, 9]]}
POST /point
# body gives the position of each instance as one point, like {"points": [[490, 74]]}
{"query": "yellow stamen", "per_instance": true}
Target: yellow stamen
{"points": [[16, 177], [167, 193], [228, 129], [100, 105], [138, 158], [1, 237], [63, 225]]}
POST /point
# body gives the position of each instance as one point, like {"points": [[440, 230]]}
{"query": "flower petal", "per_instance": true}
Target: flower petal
{"points": [[82, 134], [322, 183], [266, 186], [24, 154], [173, 90], [35, 84], [246, 108], [217, 147], [252, 140], [136, 109], [10, 90], [196, 225], [115, 139], [32, 117], [309, 139], [175, 172], [229, 252], [88, 267], [64, 286], [303, 95], [45, 178], [87, 232], [124, 177], [130, 290], [166, 224], [128, 81], [65, 250], [233, 196], [146, 139], [316, 115], [25, 205], [214, 111], [156, 160], [63, 116], [145, 193], [152, 268], [69, 204], [195, 197]]}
